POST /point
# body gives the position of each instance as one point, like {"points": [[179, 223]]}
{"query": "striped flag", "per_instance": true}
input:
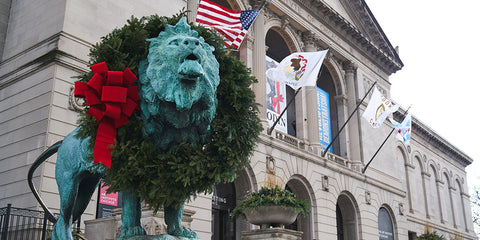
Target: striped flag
{"points": [[233, 25]]}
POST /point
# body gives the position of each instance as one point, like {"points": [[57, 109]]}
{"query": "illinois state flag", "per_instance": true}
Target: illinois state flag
{"points": [[233, 25], [378, 109], [298, 69], [404, 129]]}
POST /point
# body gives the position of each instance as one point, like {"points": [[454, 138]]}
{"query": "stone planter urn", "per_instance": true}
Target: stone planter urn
{"points": [[266, 216]]}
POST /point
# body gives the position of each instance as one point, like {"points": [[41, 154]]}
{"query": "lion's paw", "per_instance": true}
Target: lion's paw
{"points": [[189, 233], [133, 231], [183, 232]]}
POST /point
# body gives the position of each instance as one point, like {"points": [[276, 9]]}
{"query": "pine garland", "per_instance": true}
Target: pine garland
{"points": [[169, 178]]}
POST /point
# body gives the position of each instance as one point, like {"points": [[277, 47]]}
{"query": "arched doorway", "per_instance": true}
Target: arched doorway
{"points": [[300, 187], [224, 199], [223, 203], [347, 217], [385, 225]]}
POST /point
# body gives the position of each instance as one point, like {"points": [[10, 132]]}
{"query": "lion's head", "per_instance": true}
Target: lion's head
{"points": [[178, 83]]}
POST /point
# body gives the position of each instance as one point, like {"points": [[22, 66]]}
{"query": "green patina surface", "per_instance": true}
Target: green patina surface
{"points": [[197, 126]]}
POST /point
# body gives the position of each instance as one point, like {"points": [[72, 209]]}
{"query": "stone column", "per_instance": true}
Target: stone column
{"points": [[353, 125], [309, 100], [425, 179], [259, 65], [342, 116], [192, 6], [464, 197], [409, 172], [438, 185], [450, 190]]}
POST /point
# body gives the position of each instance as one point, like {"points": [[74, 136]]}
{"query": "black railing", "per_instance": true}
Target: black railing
{"points": [[20, 223]]}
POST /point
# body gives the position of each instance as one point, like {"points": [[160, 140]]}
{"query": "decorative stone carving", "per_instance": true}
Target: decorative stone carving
{"points": [[270, 165], [256, 4], [270, 15], [368, 197], [401, 209], [310, 40], [285, 22], [325, 183], [74, 103], [349, 67]]}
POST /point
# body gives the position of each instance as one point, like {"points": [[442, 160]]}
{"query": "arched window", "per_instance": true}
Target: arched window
{"points": [[445, 195], [278, 50], [417, 189], [325, 83], [385, 225], [347, 220], [434, 204], [459, 206]]}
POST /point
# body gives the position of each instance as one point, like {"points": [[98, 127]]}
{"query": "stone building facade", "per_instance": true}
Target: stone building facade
{"points": [[44, 44]]}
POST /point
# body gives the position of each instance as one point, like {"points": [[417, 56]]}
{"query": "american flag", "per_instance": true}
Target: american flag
{"points": [[233, 25]]}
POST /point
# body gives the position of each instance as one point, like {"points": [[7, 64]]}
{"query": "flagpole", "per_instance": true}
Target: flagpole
{"points": [[344, 124], [269, 131], [261, 6], [384, 141]]}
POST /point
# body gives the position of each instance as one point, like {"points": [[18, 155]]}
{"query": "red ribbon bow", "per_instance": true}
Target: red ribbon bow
{"points": [[112, 100]]}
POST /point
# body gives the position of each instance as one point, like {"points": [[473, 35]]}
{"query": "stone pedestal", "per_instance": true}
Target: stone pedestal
{"points": [[154, 224], [272, 234], [101, 229]]}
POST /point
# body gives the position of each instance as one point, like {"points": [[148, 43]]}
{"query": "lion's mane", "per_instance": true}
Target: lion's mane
{"points": [[178, 83], [162, 177]]}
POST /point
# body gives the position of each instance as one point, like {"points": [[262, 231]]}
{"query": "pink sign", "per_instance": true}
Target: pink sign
{"points": [[108, 198]]}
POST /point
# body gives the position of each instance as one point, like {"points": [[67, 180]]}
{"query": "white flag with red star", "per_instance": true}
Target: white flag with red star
{"points": [[404, 129]]}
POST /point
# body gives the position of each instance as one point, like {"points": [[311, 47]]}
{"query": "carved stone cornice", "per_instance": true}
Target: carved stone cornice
{"points": [[368, 25], [429, 136], [385, 58]]}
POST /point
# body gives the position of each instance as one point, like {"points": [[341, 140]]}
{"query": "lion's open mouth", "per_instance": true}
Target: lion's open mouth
{"points": [[190, 70]]}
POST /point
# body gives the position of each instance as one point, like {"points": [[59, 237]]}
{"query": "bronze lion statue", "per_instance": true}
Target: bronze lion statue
{"points": [[177, 87]]}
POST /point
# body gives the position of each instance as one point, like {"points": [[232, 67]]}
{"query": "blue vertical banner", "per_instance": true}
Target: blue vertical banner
{"points": [[324, 128]]}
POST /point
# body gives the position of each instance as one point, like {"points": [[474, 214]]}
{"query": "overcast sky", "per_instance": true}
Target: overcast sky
{"points": [[439, 46]]}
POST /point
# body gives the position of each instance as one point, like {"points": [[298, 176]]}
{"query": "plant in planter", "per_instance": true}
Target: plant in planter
{"points": [[271, 206], [430, 236]]}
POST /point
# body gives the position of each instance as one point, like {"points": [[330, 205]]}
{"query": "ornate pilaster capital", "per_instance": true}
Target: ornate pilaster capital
{"points": [[256, 4], [349, 66], [285, 21], [310, 40], [269, 14]]}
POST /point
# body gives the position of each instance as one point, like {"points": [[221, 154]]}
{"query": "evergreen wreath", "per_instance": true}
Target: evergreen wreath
{"points": [[169, 178]]}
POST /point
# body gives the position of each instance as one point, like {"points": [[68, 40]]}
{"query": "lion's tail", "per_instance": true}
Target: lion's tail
{"points": [[44, 156]]}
